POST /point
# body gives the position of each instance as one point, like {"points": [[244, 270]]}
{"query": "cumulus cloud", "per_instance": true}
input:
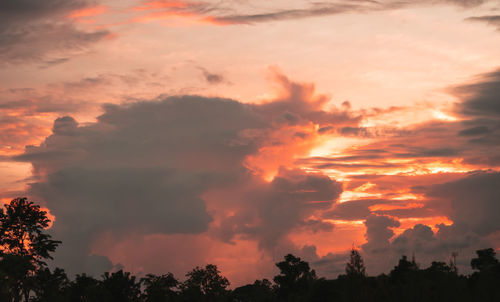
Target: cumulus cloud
{"points": [[473, 210], [41, 31], [378, 233], [474, 201], [283, 205], [155, 167], [377, 249], [212, 78]]}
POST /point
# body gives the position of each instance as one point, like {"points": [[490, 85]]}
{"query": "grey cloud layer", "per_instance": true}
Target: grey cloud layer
{"points": [[493, 20], [324, 8], [39, 31]]}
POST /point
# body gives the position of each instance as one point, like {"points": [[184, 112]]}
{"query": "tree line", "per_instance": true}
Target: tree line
{"points": [[24, 276]]}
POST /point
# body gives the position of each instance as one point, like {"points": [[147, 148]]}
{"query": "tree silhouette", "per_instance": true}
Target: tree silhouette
{"points": [[86, 289], [486, 281], [51, 286], [440, 267], [405, 266], [485, 260], [121, 286], [356, 266], [295, 277], [260, 290], [24, 246], [205, 284], [159, 288]]}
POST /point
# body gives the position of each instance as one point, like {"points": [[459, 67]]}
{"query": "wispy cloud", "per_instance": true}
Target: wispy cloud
{"points": [[493, 20], [44, 31], [223, 14]]}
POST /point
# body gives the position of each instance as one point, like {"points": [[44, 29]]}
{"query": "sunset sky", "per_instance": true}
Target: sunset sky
{"points": [[162, 135]]}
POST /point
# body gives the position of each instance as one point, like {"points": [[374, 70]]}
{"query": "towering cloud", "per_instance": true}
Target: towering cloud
{"points": [[155, 167]]}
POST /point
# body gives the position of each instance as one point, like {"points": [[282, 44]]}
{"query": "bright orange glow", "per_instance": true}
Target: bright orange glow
{"points": [[177, 13], [443, 116], [432, 222], [388, 207], [151, 5], [283, 148], [88, 12], [340, 239]]}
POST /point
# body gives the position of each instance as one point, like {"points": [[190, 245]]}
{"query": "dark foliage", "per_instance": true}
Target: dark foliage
{"points": [[205, 284], [356, 266], [24, 247], [295, 278], [160, 288], [25, 277]]}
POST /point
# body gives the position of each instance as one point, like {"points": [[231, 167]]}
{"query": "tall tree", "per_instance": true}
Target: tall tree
{"points": [[205, 284], [24, 245], [87, 289], [121, 286], [51, 286], [356, 266], [295, 278], [159, 288], [485, 260]]}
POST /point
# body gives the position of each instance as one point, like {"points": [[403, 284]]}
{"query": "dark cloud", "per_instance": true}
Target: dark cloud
{"points": [[473, 131], [40, 31], [482, 97], [329, 266], [281, 206], [30, 10], [493, 20], [377, 249], [141, 168], [351, 210], [362, 208], [480, 108], [384, 248], [414, 240], [426, 245], [474, 201], [291, 198], [378, 233], [318, 9], [245, 12], [464, 3], [212, 78]]}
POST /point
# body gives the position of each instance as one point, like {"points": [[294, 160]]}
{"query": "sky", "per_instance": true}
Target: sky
{"points": [[164, 135]]}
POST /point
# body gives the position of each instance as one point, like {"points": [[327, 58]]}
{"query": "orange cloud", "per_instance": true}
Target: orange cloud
{"points": [[88, 12], [432, 222], [388, 207], [283, 146], [151, 5]]}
